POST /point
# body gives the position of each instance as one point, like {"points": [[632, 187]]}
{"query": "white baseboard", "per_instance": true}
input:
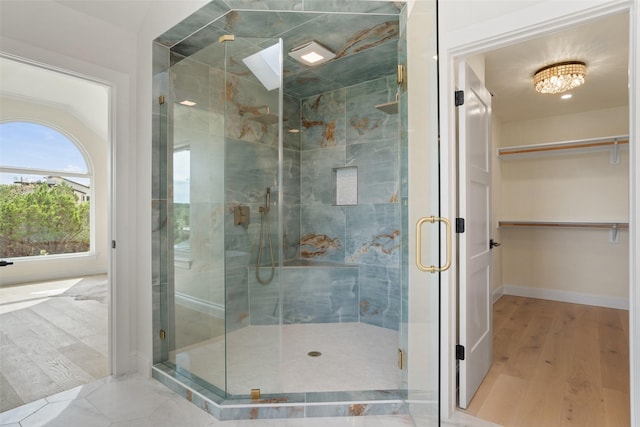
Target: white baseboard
{"points": [[206, 307], [563, 296]]}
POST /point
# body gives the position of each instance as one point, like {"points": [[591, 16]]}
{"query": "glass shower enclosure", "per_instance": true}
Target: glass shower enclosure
{"points": [[281, 201]]}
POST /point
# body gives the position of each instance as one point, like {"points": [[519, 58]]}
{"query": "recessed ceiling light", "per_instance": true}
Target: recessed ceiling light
{"points": [[188, 103], [566, 96], [312, 53]]}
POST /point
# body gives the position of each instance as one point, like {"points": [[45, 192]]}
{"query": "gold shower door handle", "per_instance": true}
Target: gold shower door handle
{"points": [[433, 268]]}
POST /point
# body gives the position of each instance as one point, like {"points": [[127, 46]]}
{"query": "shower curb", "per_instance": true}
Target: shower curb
{"points": [[291, 405]]}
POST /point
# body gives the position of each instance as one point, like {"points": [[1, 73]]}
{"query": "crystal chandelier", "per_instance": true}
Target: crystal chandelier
{"points": [[560, 77]]}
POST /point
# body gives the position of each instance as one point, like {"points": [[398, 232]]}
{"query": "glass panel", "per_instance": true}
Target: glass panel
{"points": [[253, 149], [422, 310], [196, 159]]}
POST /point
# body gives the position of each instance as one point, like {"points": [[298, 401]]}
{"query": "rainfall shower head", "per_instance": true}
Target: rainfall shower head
{"points": [[265, 119], [388, 107]]}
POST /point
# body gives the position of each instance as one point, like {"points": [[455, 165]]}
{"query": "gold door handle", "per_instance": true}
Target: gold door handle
{"points": [[433, 268]]}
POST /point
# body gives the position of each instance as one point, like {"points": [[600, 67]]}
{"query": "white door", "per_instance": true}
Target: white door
{"points": [[475, 336]]}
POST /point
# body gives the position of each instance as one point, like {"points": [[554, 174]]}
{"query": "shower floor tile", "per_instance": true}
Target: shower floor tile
{"points": [[353, 356]]}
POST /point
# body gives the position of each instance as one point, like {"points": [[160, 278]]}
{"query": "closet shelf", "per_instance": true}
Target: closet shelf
{"points": [[563, 224], [613, 143]]}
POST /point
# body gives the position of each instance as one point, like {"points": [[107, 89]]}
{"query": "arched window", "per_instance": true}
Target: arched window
{"points": [[45, 192]]}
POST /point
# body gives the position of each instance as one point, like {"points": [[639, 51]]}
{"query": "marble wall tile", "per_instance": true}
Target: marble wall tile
{"points": [[380, 296], [316, 174], [371, 64], [249, 169], [248, 102], [264, 300], [159, 155], [322, 230], [203, 16], [380, 7], [265, 4], [237, 298], [310, 295], [378, 174], [258, 24], [323, 120], [291, 117], [366, 123], [190, 81], [320, 295], [373, 235], [159, 231]]}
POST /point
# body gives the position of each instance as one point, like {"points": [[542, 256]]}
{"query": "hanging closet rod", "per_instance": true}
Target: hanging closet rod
{"points": [[567, 145], [562, 224]]}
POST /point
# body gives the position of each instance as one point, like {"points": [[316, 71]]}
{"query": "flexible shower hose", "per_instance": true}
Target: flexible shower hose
{"points": [[264, 219]]}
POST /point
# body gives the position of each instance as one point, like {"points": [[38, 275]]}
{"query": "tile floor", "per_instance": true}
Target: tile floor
{"points": [[53, 337], [347, 361], [135, 401]]}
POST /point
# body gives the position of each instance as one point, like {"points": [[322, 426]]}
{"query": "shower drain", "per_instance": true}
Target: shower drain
{"points": [[314, 354]]}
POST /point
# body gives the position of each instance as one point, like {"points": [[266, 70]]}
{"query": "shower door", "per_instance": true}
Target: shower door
{"points": [[426, 234], [226, 138]]}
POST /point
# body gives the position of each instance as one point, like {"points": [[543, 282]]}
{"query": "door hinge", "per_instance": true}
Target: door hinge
{"points": [[113, 244], [163, 334], [459, 352], [161, 100], [402, 76], [459, 225], [459, 97], [400, 359]]}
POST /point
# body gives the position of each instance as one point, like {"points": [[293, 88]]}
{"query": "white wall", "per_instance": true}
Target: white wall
{"points": [[572, 186]]}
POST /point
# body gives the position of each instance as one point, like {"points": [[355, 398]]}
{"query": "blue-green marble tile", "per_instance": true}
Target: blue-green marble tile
{"points": [[322, 230], [190, 81], [363, 66], [316, 174], [404, 146], [320, 295], [378, 173], [305, 83], [159, 156], [247, 104], [323, 120], [199, 19], [343, 34], [204, 37], [349, 409], [260, 24], [264, 300], [373, 234], [364, 121], [265, 4], [291, 121], [249, 169], [379, 7], [380, 296]]}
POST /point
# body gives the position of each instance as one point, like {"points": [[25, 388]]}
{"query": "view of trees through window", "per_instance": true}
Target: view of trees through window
{"points": [[44, 192]]}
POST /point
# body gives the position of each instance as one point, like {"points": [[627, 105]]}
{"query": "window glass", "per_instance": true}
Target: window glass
{"points": [[45, 190]]}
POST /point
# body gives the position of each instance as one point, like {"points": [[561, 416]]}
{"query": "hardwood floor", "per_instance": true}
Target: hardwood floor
{"points": [[556, 364], [53, 337]]}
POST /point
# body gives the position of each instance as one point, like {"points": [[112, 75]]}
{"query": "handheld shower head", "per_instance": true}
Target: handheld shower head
{"points": [[268, 199]]}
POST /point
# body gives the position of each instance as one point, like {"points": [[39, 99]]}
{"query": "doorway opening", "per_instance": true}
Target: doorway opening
{"points": [[554, 214], [55, 140]]}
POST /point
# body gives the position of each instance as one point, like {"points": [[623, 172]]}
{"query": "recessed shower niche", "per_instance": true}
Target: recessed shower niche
{"points": [[288, 222]]}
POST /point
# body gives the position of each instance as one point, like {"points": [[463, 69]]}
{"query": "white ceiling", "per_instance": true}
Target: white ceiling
{"points": [[603, 45], [127, 15]]}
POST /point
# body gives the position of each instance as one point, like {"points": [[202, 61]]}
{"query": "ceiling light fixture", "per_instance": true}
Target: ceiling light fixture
{"points": [[188, 103], [560, 77], [312, 53]]}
